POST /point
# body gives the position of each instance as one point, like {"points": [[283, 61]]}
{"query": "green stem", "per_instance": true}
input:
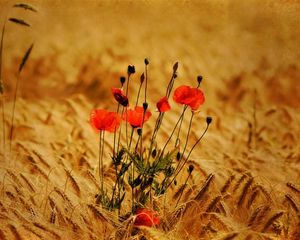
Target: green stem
{"points": [[188, 156]]}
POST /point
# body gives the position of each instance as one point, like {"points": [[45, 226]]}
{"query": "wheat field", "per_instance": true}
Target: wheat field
{"points": [[246, 182]]}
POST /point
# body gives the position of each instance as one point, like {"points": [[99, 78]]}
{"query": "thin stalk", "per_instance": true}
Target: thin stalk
{"points": [[99, 163], [1, 86], [102, 165], [188, 135], [114, 149], [184, 186], [13, 112], [170, 85], [188, 156], [132, 173], [157, 124], [120, 131], [178, 132], [138, 95], [171, 135], [146, 83], [127, 89]]}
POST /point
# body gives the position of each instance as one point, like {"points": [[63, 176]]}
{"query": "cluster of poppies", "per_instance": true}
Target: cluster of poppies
{"points": [[103, 120]]}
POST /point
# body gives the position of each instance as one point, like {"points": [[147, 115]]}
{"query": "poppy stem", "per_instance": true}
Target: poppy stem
{"points": [[187, 136], [181, 192], [120, 131], [138, 95], [188, 156], [127, 89], [171, 84], [154, 134], [100, 165], [171, 135], [179, 129], [146, 79], [114, 149]]}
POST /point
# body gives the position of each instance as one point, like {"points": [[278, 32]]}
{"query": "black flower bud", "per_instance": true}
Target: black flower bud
{"points": [[145, 106], [139, 131], [153, 153], [122, 80], [199, 79], [146, 61], [191, 168], [178, 156], [142, 78], [131, 69], [208, 120]]}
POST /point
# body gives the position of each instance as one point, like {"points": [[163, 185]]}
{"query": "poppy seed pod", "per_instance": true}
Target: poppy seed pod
{"points": [[199, 79], [139, 131], [191, 168], [208, 120], [145, 106], [122, 80], [131, 69], [142, 78]]}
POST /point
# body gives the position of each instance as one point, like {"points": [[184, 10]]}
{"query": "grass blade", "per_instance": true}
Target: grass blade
{"points": [[25, 6], [19, 21], [1, 49], [25, 58]]}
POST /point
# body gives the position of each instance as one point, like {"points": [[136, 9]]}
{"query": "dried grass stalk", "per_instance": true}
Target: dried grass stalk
{"points": [[15, 232], [227, 184], [74, 183], [291, 201], [245, 191], [205, 187]]}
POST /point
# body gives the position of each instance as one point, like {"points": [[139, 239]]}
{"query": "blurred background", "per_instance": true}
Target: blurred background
{"points": [[235, 45]]}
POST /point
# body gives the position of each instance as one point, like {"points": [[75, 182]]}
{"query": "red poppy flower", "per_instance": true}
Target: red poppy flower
{"points": [[163, 105], [120, 96], [102, 120], [192, 97], [146, 217], [135, 117]]}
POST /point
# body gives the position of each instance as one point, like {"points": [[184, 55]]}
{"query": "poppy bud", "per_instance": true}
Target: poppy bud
{"points": [[139, 131], [191, 168], [146, 61], [178, 156], [208, 120], [145, 106], [175, 67], [122, 80], [199, 79], [131, 69], [153, 153], [142, 78]]}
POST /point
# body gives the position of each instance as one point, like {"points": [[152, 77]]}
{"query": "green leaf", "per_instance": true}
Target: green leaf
{"points": [[124, 169], [119, 157]]}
